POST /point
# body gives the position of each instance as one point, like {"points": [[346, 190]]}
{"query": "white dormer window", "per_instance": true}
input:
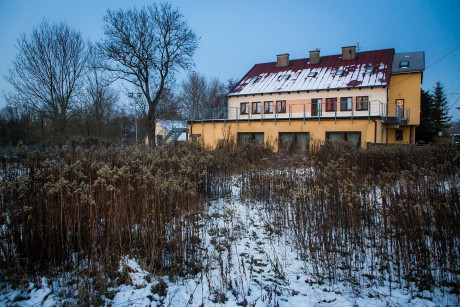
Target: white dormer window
{"points": [[312, 74], [369, 68], [254, 79], [339, 72], [404, 64]]}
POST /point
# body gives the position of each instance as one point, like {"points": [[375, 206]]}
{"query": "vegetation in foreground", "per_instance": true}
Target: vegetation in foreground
{"points": [[391, 213]]}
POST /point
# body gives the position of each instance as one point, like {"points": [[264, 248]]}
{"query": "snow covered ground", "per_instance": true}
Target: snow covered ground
{"points": [[244, 264]]}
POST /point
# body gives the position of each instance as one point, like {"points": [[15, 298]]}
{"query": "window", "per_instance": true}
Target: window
{"points": [[316, 106], [354, 138], [346, 103], [339, 72], [369, 69], [268, 107], [244, 108], [312, 74], [399, 135], [404, 64], [250, 137], [331, 104], [293, 142], [256, 107], [362, 103], [285, 76], [281, 106], [400, 103], [254, 79]]}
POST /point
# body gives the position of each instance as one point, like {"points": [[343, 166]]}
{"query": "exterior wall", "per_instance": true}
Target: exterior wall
{"points": [[298, 99], [406, 135], [209, 133], [407, 86]]}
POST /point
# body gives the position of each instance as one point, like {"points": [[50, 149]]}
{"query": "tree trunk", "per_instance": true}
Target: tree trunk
{"points": [[151, 133]]}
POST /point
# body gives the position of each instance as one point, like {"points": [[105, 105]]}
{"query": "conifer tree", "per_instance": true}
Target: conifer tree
{"points": [[434, 116], [441, 118]]}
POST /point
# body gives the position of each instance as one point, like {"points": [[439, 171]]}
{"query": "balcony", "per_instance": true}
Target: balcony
{"points": [[388, 113]]}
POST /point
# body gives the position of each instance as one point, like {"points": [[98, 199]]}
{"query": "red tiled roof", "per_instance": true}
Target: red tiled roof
{"points": [[268, 78]]}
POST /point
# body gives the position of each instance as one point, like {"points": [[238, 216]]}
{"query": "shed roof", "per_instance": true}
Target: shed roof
{"points": [[370, 68]]}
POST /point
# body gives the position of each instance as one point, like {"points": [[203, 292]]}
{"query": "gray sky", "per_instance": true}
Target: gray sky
{"points": [[235, 35]]}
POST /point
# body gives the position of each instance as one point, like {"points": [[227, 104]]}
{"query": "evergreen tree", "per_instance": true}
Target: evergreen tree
{"points": [[434, 116], [425, 132], [441, 118]]}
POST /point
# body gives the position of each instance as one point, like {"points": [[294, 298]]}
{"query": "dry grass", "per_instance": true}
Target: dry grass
{"points": [[355, 215]]}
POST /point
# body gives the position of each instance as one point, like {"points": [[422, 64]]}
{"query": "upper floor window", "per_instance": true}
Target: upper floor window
{"points": [[256, 107], [339, 72], [331, 104], [369, 69], [316, 106], [404, 64], [244, 108], [281, 106], [312, 74], [346, 103], [268, 107], [400, 103], [362, 103]]}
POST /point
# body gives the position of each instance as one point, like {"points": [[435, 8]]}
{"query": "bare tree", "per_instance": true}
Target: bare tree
{"points": [[193, 94], [47, 72], [98, 101], [202, 98], [146, 47]]}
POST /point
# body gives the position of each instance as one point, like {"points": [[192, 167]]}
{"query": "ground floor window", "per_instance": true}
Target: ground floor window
{"points": [[350, 137], [399, 135], [292, 142], [250, 137]]}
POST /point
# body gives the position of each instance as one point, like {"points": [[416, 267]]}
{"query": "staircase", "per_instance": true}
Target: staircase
{"points": [[173, 135]]}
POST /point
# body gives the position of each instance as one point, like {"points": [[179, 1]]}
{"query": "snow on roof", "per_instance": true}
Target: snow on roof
{"points": [[370, 68]]}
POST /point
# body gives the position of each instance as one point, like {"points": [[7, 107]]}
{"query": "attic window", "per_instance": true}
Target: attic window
{"points": [[286, 76], [369, 69], [312, 74], [254, 79], [404, 64], [339, 72]]}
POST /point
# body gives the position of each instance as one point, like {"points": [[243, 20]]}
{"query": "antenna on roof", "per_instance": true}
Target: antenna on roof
{"points": [[357, 46]]}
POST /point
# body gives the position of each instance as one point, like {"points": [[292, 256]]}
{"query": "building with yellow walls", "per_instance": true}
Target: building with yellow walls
{"points": [[357, 97]]}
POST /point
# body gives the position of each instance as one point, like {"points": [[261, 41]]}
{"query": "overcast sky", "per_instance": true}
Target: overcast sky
{"points": [[236, 34]]}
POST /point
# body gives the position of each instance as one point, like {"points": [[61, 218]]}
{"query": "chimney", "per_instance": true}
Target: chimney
{"points": [[282, 60], [314, 56], [349, 53]]}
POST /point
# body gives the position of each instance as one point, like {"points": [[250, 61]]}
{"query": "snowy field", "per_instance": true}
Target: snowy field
{"points": [[244, 264]]}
